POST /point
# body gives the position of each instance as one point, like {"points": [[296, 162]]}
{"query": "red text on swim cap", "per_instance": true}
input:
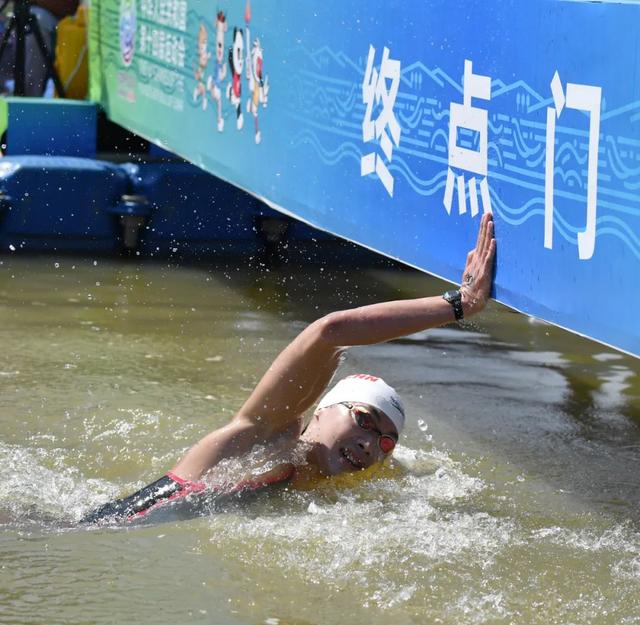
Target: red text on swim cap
{"points": [[364, 376]]}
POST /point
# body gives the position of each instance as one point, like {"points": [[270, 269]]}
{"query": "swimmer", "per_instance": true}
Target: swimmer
{"points": [[354, 426]]}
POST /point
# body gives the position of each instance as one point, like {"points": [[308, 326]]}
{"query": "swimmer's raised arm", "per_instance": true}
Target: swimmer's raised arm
{"points": [[299, 375], [389, 320]]}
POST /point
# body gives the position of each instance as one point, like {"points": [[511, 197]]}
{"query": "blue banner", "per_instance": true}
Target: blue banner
{"points": [[396, 125]]}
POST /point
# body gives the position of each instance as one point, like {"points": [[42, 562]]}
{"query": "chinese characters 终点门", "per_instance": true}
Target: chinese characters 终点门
{"points": [[466, 117], [385, 127], [585, 98]]}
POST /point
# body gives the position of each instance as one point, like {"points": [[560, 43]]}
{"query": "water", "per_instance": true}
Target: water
{"points": [[513, 497]]}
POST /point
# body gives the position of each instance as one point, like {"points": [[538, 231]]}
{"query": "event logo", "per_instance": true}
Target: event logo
{"points": [[127, 29]]}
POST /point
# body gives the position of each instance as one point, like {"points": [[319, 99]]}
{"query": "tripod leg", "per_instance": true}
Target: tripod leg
{"points": [[48, 58], [5, 37], [21, 16]]}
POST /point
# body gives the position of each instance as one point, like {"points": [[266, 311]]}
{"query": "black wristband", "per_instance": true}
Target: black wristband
{"points": [[455, 299]]}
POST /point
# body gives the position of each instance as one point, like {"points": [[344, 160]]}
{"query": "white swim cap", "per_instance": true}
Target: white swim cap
{"points": [[367, 389]]}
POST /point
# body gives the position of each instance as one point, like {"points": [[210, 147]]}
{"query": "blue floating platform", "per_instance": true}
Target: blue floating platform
{"points": [[156, 209], [193, 212], [60, 204], [50, 127]]}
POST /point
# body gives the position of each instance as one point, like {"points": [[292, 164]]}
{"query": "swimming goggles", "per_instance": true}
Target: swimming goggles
{"points": [[363, 419]]}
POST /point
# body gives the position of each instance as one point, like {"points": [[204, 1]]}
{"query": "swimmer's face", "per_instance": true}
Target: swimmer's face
{"points": [[344, 446]]}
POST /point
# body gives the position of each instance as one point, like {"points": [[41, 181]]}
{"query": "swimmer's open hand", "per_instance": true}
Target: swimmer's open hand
{"points": [[478, 272]]}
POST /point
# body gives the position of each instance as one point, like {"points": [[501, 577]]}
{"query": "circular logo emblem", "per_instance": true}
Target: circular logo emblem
{"points": [[127, 28]]}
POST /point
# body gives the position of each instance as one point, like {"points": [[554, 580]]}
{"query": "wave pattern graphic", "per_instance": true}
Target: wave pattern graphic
{"points": [[327, 157], [607, 225], [349, 150], [328, 98]]}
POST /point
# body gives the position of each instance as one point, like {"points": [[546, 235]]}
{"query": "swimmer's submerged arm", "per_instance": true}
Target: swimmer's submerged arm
{"points": [[233, 439], [275, 407]]}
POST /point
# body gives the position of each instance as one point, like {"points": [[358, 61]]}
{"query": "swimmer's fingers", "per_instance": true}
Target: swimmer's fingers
{"points": [[490, 252], [488, 247], [467, 265], [478, 273], [484, 233], [483, 246]]}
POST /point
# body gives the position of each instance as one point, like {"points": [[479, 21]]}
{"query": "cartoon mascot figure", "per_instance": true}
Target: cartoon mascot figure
{"points": [[203, 59], [258, 85], [236, 62], [214, 83]]}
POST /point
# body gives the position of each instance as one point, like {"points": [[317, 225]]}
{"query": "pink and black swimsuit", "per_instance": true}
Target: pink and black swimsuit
{"points": [[197, 497]]}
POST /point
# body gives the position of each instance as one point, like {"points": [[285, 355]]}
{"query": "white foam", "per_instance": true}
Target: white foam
{"points": [[33, 488], [369, 536]]}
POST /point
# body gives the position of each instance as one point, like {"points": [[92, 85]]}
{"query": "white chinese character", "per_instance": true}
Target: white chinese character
{"points": [[149, 43], [171, 49], [181, 15], [154, 42], [474, 119], [143, 38], [162, 44], [168, 45], [374, 91], [176, 51], [174, 13], [582, 98], [180, 52], [165, 9], [146, 8], [167, 48]]}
